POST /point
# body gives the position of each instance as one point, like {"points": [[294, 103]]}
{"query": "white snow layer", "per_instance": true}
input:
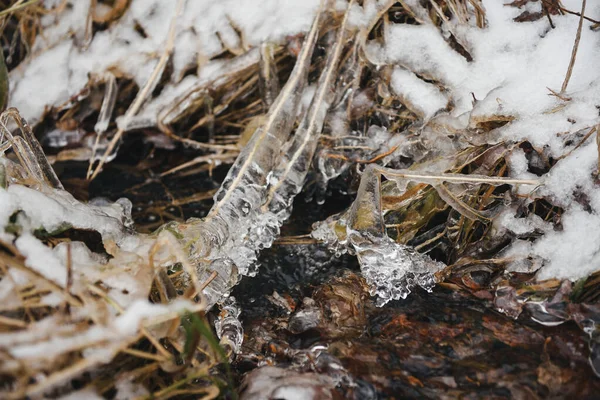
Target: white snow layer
{"points": [[62, 63]]}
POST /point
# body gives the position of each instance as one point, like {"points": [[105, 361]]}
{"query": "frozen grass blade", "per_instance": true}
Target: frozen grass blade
{"points": [[268, 80], [260, 154], [106, 110], [27, 148], [290, 175]]}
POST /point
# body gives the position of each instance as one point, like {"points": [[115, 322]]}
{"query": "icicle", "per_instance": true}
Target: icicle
{"points": [[391, 269], [217, 243], [268, 80], [243, 189], [228, 326], [287, 179]]}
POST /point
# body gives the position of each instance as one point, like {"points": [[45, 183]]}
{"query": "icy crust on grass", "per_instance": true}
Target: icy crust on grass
{"points": [[73, 275], [56, 209], [44, 341]]}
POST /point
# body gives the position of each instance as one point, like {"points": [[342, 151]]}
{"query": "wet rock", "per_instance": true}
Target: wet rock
{"points": [[342, 301], [278, 383], [308, 317]]}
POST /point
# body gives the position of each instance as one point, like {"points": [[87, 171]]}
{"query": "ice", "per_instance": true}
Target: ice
{"points": [[57, 209], [108, 104], [256, 196], [228, 326], [392, 270], [123, 327], [287, 179]]}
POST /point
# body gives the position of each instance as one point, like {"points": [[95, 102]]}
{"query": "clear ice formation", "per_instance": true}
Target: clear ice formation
{"points": [[228, 326], [27, 148], [257, 194], [391, 269]]}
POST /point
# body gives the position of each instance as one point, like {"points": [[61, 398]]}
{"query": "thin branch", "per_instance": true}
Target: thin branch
{"points": [[17, 7], [575, 47]]}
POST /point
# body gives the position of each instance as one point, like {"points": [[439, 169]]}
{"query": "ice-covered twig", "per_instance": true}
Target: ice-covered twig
{"points": [[454, 178], [27, 149], [106, 110], [243, 191]]}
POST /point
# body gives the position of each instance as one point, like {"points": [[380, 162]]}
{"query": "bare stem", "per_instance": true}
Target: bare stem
{"points": [[575, 47]]}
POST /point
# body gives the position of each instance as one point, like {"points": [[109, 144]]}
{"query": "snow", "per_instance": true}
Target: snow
{"points": [[425, 98], [513, 66], [58, 209], [205, 27], [41, 259], [122, 328]]}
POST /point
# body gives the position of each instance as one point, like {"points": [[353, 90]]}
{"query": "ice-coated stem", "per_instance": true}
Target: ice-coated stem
{"points": [[210, 241], [28, 149], [391, 269], [287, 179]]}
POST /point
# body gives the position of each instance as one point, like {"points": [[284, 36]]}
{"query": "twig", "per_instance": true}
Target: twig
{"points": [[582, 141], [575, 47], [12, 322], [17, 7], [198, 160], [458, 178], [565, 10], [146, 90]]}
